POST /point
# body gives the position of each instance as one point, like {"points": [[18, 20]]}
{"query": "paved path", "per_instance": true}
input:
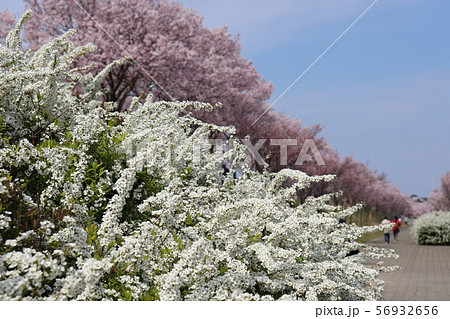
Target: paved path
{"points": [[424, 273]]}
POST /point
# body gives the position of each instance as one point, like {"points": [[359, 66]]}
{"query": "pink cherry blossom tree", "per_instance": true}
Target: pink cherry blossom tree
{"points": [[420, 208], [360, 184], [7, 21], [170, 49], [440, 198]]}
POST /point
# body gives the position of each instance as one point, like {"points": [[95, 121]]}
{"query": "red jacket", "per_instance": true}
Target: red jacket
{"points": [[397, 225]]}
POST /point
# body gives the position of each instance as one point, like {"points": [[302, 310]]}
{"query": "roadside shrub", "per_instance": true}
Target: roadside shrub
{"points": [[432, 229], [100, 205]]}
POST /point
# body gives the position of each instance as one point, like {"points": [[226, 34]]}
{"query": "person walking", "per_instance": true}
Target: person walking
{"points": [[387, 231], [396, 229]]}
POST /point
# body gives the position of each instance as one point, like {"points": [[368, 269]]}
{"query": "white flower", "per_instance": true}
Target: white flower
{"points": [[131, 210], [3, 189], [11, 242]]}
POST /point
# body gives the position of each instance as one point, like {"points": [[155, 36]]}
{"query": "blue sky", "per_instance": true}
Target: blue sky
{"points": [[382, 92]]}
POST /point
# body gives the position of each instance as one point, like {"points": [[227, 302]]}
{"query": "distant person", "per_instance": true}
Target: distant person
{"points": [[386, 221], [396, 229]]}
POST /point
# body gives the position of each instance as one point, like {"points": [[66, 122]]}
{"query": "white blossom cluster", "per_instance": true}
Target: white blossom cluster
{"points": [[104, 206], [432, 229]]}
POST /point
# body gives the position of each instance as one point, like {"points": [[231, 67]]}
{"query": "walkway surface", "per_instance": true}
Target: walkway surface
{"points": [[424, 273]]}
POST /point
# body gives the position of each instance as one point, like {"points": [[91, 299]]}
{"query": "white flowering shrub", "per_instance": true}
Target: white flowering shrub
{"points": [[100, 205], [432, 229]]}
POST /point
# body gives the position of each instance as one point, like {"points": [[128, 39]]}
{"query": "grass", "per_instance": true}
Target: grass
{"points": [[368, 237], [364, 218]]}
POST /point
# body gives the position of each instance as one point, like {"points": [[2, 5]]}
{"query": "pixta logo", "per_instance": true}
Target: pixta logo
{"points": [[308, 148], [153, 151]]}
